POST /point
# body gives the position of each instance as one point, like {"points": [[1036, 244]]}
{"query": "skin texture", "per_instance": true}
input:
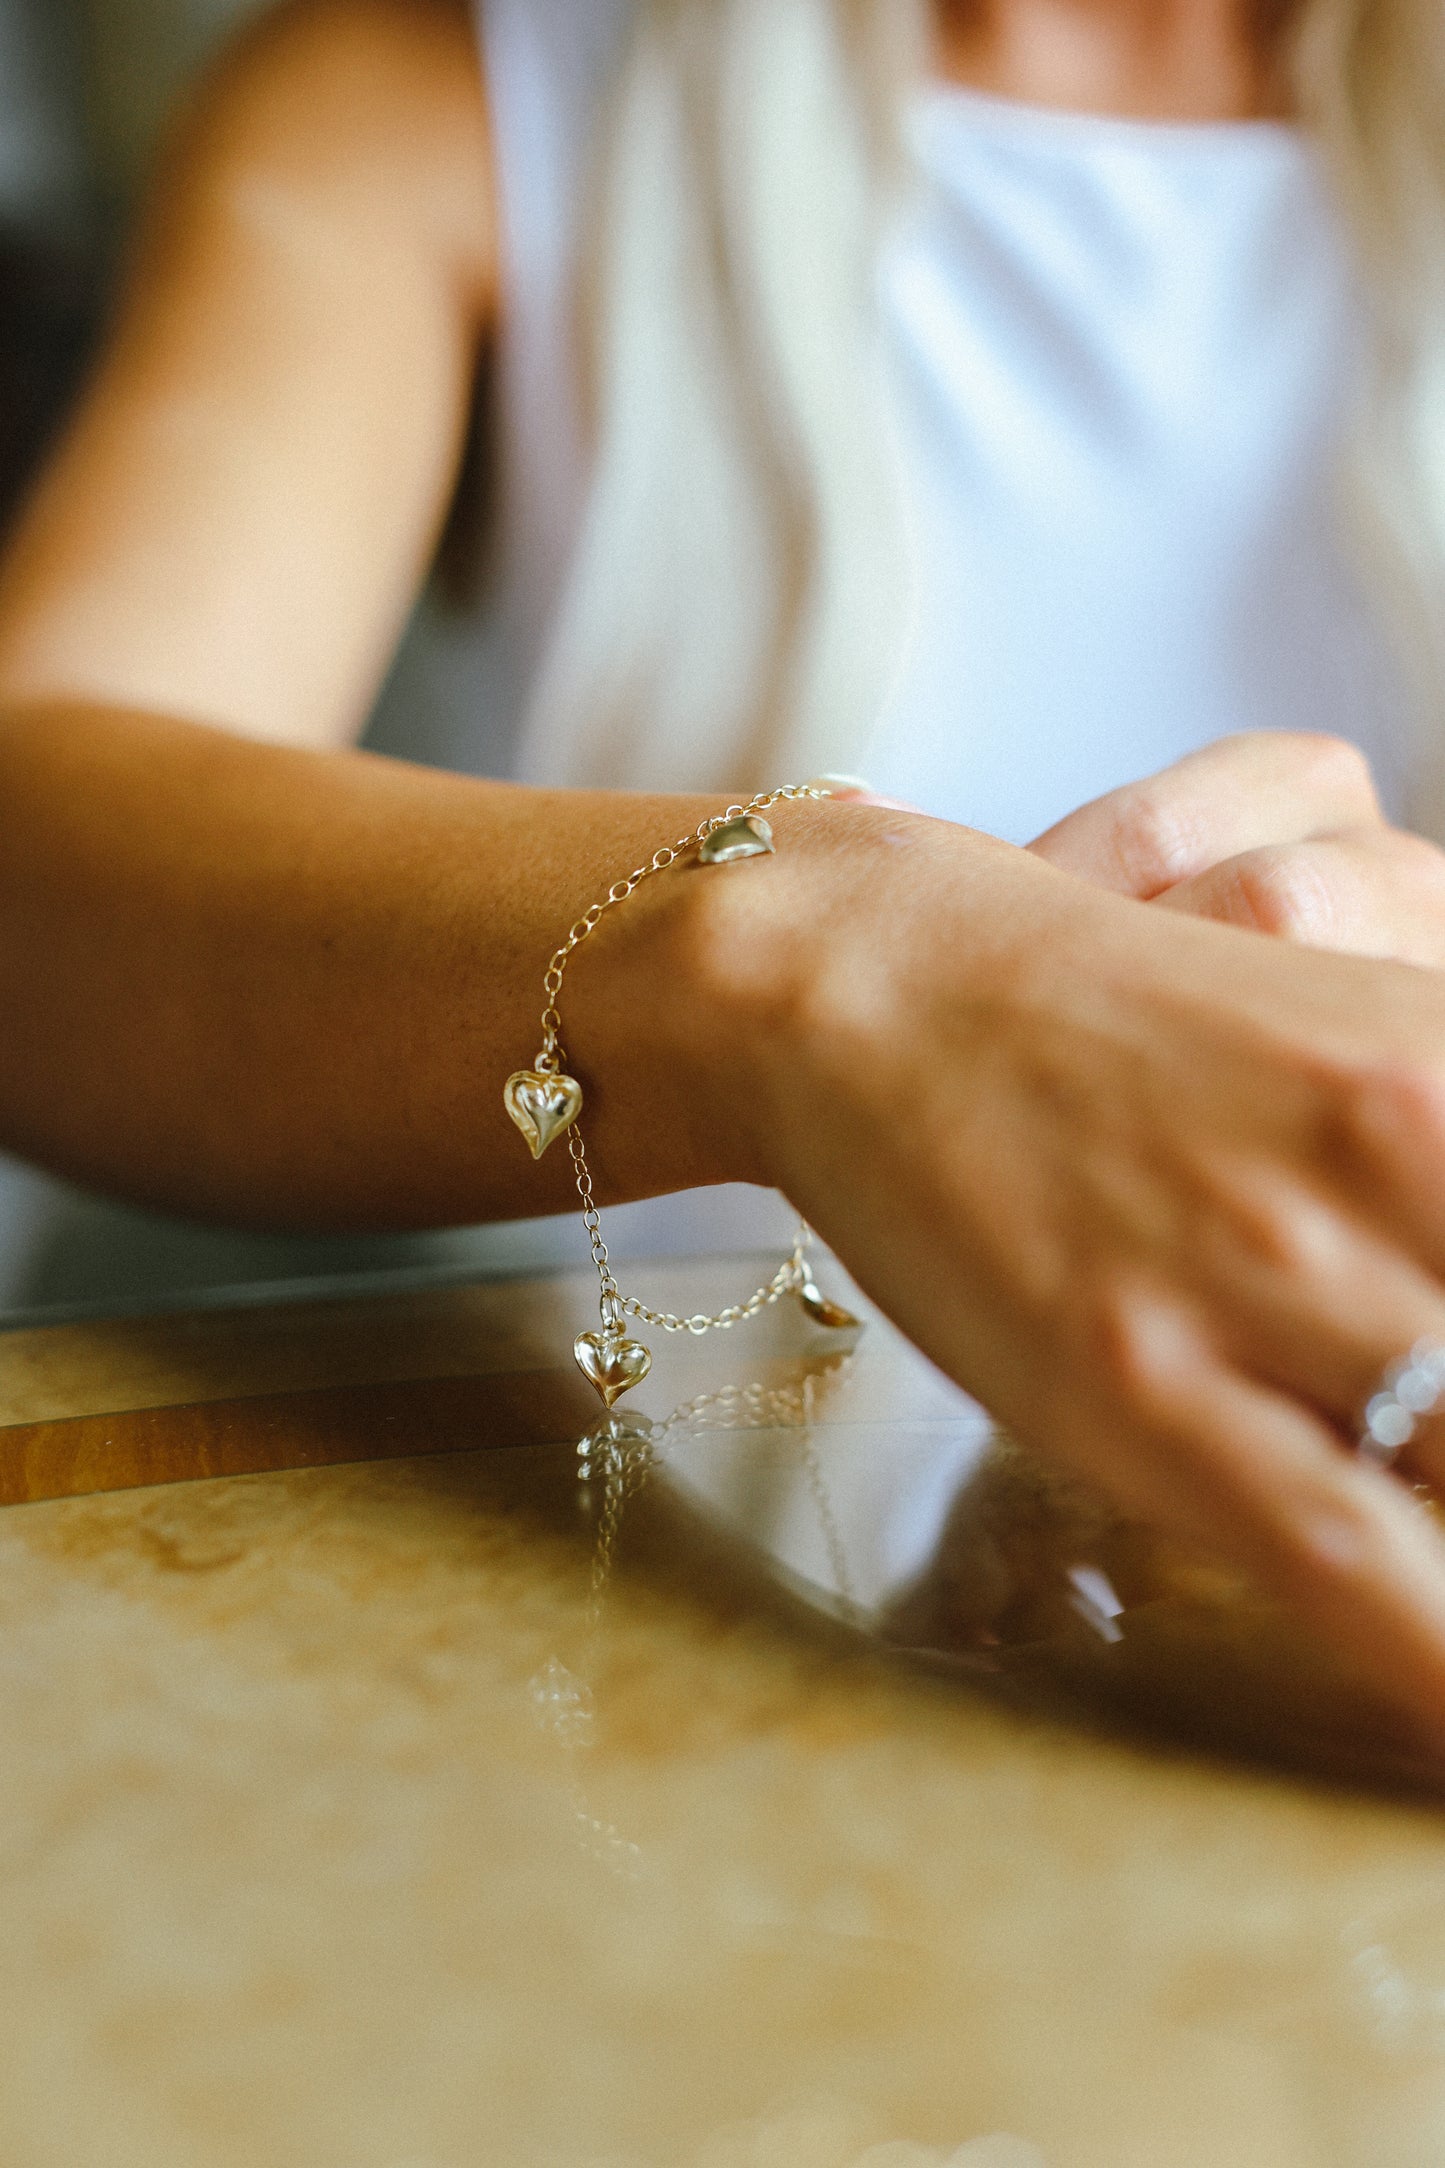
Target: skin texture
{"points": [[1187, 60], [1161, 1190], [1276, 831]]}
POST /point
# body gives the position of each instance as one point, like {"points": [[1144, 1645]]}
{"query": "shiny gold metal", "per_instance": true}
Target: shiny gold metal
{"points": [[749, 836], [610, 1364], [543, 1102], [824, 1312], [543, 1106]]}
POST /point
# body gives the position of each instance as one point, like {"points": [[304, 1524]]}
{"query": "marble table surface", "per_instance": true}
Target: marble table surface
{"points": [[819, 1784]]}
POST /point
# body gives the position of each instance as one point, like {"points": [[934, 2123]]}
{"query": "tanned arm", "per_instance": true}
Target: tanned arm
{"points": [[247, 971]]}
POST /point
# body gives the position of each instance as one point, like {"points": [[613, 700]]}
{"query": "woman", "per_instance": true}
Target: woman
{"points": [[1167, 1196]]}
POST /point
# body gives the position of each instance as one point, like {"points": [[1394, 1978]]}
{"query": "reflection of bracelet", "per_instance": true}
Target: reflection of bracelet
{"points": [[545, 1102]]}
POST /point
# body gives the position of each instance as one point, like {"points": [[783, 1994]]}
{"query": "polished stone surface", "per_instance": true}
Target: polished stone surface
{"points": [[810, 1788]]}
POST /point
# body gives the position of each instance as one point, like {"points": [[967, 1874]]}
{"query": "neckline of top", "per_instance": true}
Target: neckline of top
{"points": [[943, 99]]}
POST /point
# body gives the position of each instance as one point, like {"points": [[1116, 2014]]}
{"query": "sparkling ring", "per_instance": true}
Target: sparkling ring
{"points": [[1412, 1390]]}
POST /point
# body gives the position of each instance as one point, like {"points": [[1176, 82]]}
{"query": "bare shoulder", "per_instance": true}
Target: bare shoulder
{"points": [[349, 110]]}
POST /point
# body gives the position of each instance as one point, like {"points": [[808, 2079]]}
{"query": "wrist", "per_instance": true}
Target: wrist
{"points": [[661, 1072], [807, 973]]}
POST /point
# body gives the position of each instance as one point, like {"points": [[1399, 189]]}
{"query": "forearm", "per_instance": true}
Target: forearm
{"points": [[1163, 1195], [282, 987]]}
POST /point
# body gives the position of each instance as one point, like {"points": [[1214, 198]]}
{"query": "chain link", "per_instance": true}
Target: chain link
{"points": [[552, 1061], [790, 1276], [552, 1057]]}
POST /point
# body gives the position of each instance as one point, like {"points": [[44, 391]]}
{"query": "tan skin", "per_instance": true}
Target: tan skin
{"points": [[1186, 60], [1166, 1194]]}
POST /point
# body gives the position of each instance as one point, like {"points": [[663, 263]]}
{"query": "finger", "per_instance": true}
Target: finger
{"points": [[1388, 1142], [1314, 1305], [1346, 1546], [1371, 892], [1225, 1460], [1236, 795], [852, 790]]}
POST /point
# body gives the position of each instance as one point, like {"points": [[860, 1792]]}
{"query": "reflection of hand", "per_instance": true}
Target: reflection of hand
{"points": [[1166, 1197], [1274, 831]]}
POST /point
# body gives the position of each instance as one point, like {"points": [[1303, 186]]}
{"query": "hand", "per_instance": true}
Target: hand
{"points": [[1272, 830], [1166, 1198]]}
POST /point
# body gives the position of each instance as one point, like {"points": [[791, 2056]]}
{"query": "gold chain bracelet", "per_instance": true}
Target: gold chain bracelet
{"points": [[545, 1102]]}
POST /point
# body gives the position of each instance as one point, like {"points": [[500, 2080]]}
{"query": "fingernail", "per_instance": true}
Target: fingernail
{"points": [[842, 786]]}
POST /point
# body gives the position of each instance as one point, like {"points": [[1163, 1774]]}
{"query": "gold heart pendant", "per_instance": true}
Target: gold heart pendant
{"points": [[542, 1106], [749, 836], [610, 1364], [824, 1312]]}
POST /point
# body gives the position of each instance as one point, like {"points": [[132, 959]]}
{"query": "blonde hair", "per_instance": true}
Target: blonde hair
{"points": [[1369, 79], [738, 598]]}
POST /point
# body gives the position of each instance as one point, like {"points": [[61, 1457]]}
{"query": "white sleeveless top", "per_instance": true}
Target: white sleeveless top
{"points": [[1119, 355]]}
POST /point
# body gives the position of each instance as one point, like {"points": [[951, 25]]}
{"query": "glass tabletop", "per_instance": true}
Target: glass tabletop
{"points": [[407, 1769]]}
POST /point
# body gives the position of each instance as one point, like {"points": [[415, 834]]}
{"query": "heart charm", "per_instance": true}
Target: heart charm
{"points": [[747, 837], [824, 1312], [611, 1364], [542, 1106]]}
